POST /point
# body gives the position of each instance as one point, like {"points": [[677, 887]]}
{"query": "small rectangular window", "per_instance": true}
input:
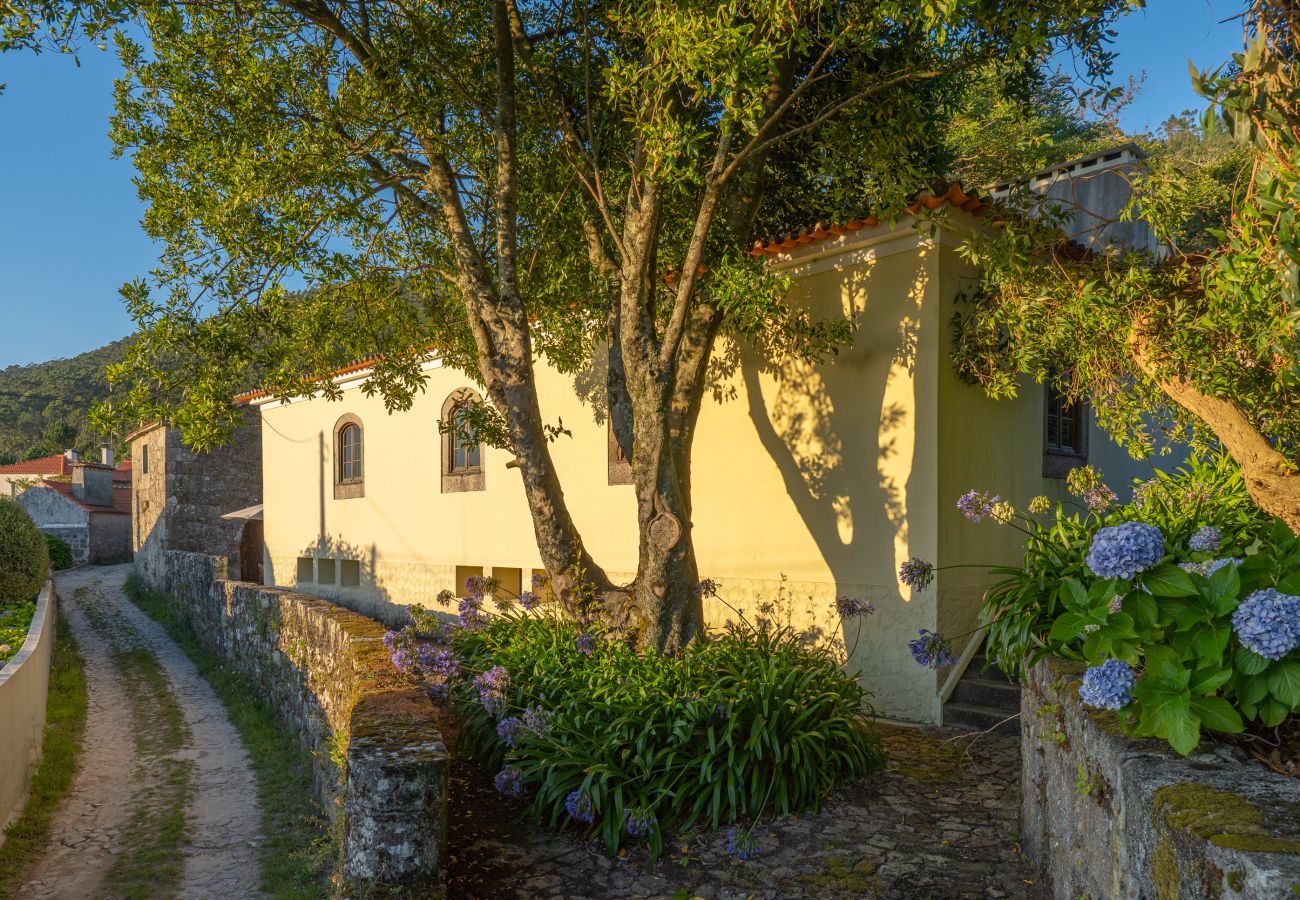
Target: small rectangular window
{"points": [[544, 591], [144, 460], [1065, 432], [349, 573], [306, 570], [509, 582], [324, 571], [463, 573]]}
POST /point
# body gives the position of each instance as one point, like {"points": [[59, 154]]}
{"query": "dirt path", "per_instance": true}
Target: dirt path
{"points": [[150, 747]]}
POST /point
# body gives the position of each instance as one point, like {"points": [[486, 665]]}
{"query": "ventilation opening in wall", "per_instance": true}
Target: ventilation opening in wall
{"points": [[324, 571], [462, 573], [509, 582], [306, 570], [350, 573]]}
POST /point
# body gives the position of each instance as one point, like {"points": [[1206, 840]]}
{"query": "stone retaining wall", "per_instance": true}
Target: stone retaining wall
{"points": [[381, 767], [1107, 816], [24, 687]]}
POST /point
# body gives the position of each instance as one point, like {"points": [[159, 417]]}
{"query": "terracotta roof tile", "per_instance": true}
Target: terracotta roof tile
{"points": [[947, 193]]}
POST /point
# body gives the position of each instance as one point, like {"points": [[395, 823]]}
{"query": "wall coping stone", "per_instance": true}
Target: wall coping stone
{"points": [[24, 690], [1107, 815]]}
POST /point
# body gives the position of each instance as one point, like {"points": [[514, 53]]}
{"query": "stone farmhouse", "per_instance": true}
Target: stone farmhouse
{"points": [[86, 504], [810, 481], [17, 477]]}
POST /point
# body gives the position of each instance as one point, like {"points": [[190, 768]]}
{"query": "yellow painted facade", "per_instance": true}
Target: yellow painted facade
{"points": [[810, 481]]}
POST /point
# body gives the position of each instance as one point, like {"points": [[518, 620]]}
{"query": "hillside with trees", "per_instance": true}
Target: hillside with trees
{"points": [[44, 406]]}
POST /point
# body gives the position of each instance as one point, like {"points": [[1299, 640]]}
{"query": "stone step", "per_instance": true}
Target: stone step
{"points": [[982, 667], [965, 717], [987, 692]]}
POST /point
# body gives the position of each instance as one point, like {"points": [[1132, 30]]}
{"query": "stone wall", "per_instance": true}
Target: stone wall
{"points": [[1107, 816], [178, 503], [55, 514], [381, 767], [24, 686], [77, 537], [110, 537]]}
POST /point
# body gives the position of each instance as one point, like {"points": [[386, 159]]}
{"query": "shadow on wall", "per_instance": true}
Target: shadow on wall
{"points": [[344, 573]]}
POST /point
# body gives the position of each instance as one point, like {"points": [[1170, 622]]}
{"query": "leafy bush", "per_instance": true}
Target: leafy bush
{"points": [[14, 624], [1019, 610], [1185, 604], [24, 559], [60, 552], [630, 745]]}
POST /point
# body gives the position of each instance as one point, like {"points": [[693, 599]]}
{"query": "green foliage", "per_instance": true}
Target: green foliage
{"points": [[24, 559], [1171, 624], [750, 721], [60, 552], [15, 621], [45, 406], [1020, 609]]}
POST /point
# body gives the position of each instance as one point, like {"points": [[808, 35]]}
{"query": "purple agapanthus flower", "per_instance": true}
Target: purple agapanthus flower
{"points": [[586, 643], [579, 807], [1085, 482], [741, 844], [508, 728], [537, 720], [706, 588], [509, 782], [916, 573], [977, 505], [931, 649], [852, 607], [472, 617], [492, 686], [439, 693], [641, 821], [476, 586], [529, 600], [1109, 685]]}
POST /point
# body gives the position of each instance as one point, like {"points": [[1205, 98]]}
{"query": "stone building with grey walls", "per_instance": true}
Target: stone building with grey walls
{"points": [[182, 499], [89, 509]]}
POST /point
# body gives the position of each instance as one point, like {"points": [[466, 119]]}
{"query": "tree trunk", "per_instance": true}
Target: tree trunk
{"points": [[1273, 482]]}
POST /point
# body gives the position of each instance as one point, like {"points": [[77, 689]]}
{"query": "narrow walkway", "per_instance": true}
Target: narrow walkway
{"points": [[155, 747]]}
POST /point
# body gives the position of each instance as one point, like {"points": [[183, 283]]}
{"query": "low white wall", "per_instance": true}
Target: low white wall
{"points": [[24, 686]]}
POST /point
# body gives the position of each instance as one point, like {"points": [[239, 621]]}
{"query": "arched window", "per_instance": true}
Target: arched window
{"points": [[462, 451], [349, 473]]}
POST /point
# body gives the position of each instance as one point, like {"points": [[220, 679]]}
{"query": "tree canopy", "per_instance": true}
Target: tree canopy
{"points": [[512, 182]]}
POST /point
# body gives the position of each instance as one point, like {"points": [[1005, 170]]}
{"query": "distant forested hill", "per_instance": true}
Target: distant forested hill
{"points": [[43, 406]]}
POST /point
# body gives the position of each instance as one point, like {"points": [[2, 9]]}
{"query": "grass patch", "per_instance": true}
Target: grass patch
{"points": [[150, 862], [297, 848], [65, 725]]}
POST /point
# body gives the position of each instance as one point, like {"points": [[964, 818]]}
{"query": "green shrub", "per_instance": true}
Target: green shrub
{"points": [[24, 559], [1168, 620], [748, 721], [60, 552]]}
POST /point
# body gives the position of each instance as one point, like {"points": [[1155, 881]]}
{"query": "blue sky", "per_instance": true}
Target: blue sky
{"points": [[69, 232]]}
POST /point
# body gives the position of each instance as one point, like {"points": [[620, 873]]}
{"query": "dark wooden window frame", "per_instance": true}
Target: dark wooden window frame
{"points": [[466, 478], [354, 485], [1065, 433]]}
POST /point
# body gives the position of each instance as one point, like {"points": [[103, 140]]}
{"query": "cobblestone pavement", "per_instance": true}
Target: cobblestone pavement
{"points": [[941, 823], [87, 831]]}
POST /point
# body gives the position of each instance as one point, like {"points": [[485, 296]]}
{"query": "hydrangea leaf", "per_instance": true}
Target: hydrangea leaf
{"points": [[1169, 581], [1210, 679], [1183, 731], [1284, 683], [1143, 608], [1272, 712], [1070, 625], [1248, 662], [1217, 714]]}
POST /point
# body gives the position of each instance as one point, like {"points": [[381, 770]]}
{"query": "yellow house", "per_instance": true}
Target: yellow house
{"points": [[810, 482]]}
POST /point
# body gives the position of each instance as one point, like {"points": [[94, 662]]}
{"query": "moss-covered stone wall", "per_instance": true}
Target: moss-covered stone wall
{"points": [[1104, 815], [381, 767]]}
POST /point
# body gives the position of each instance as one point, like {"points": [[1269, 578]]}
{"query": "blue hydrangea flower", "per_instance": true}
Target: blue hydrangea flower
{"points": [[976, 505], [741, 844], [641, 821], [931, 649], [1207, 539], [1122, 551], [1109, 685], [586, 643], [508, 728], [579, 807], [852, 607], [509, 782], [916, 573], [1268, 622], [1209, 566]]}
